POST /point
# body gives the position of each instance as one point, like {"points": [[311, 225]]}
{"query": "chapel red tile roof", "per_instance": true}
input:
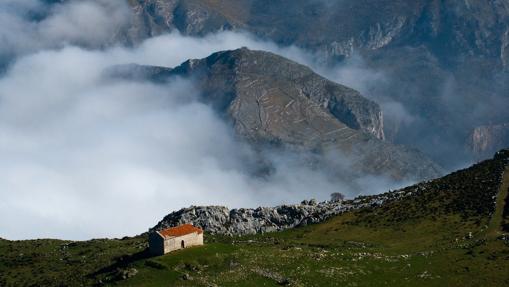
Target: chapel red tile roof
{"points": [[180, 230]]}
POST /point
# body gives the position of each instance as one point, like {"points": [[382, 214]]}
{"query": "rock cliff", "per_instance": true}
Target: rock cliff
{"points": [[484, 140], [339, 27]]}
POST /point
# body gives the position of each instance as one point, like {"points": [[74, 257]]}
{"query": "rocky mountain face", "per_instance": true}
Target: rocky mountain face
{"points": [[283, 92], [469, 192], [486, 139], [470, 27], [272, 101], [438, 58]]}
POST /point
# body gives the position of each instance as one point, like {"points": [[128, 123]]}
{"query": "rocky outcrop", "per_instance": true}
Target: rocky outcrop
{"points": [[243, 221], [272, 101], [484, 140]]}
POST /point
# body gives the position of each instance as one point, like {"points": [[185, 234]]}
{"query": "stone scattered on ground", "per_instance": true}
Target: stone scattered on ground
{"points": [[124, 274]]}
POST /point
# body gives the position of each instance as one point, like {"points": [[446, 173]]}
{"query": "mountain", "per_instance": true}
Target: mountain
{"points": [[434, 61], [451, 231], [273, 102], [339, 27], [439, 59]]}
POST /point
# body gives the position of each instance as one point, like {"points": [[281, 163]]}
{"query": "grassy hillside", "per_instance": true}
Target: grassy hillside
{"points": [[447, 232], [55, 262]]}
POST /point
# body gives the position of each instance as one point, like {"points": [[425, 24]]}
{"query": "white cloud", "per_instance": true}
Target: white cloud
{"points": [[84, 22], [87, 156], [29, 25]]}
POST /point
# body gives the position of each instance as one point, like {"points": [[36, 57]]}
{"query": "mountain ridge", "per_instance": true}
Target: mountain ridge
{"points": [[370, 25], [438, 58]]}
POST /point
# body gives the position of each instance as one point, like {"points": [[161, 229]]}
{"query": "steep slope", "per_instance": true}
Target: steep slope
{"points": [[272, 101], [470, 194], [438, 58]]}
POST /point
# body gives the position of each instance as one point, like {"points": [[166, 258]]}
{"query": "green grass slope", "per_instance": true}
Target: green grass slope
{"points": [[446, 232]]}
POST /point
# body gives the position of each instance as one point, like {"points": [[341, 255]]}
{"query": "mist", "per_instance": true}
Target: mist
{"points": [[430, 108], [87, 156]]}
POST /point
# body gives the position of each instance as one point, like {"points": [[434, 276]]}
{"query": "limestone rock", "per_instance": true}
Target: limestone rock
{"points": [[243, 221]]}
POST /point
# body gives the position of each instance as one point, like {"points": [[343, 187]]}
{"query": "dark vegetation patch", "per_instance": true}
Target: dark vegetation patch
{"points": [[505, 223]]}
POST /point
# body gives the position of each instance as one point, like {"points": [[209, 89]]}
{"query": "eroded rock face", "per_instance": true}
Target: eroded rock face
{"points": [[484, 140], [221, 220], [244, 221], [282, 90], [470, 27], [273, 101], [154, 17]]}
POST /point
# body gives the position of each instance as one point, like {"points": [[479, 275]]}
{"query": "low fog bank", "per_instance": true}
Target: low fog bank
{"points": [[90, 156]]}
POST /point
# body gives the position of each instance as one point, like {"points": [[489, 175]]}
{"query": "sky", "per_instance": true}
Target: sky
{"points": [[87, 156]]}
